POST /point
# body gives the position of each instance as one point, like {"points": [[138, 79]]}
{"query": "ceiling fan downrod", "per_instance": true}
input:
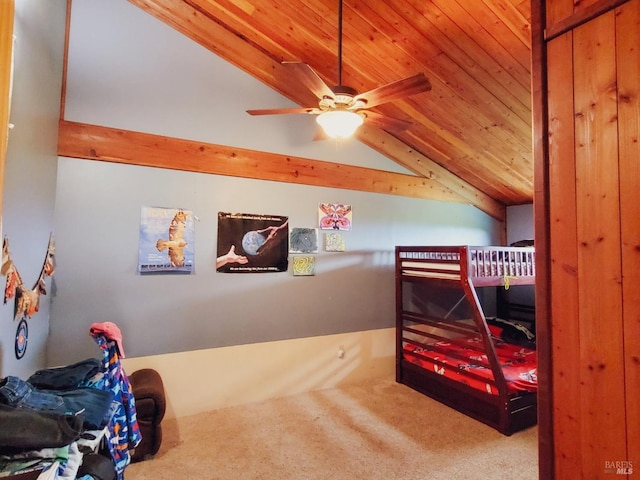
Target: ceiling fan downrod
{"points": [[339, 42]]}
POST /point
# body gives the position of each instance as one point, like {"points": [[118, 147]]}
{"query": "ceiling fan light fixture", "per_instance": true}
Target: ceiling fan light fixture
{"points": [[341, 109], [340, 123]]}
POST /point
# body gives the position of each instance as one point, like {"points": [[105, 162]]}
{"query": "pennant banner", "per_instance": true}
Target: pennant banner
{"points": [[27, 301]]}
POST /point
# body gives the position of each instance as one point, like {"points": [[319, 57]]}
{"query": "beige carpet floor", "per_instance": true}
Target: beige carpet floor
{"points": [[381, 431]]}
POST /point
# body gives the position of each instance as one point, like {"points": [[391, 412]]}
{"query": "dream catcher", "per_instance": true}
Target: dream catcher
{"points": [[27, 301]]}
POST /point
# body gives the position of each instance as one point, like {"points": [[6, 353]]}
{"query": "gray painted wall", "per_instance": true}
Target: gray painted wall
{"points": [[97, 224], [520, 223], [520, 226], [30, 174]]}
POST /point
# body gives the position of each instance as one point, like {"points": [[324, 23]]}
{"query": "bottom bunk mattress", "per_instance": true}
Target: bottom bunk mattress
{"points": [[464, 361]]}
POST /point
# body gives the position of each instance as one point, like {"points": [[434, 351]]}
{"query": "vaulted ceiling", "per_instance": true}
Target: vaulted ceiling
{"points": [[474, 125]]}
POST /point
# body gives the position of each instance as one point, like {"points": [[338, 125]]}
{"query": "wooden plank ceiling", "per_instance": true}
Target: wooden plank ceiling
{"points": [[475, 122]]}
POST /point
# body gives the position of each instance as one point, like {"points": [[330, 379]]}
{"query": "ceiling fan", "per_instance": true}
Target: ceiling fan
{"points": [[341, 109]]}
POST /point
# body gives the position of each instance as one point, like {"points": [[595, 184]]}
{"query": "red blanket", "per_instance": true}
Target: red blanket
{"points": [[519, 364]]}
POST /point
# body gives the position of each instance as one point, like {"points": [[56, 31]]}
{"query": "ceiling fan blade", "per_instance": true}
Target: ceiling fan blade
{"points": [[283, 111], [310, 79], [392, 91], [385, 122]]}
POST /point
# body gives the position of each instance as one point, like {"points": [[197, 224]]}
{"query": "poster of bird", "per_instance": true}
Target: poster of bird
{"points": [[166, 241]]}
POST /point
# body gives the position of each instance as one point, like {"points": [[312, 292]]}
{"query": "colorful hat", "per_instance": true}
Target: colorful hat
{"points": [[109, 330]]}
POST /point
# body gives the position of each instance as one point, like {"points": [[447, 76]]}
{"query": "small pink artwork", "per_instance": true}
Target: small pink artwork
{"points": [[335, 216]]}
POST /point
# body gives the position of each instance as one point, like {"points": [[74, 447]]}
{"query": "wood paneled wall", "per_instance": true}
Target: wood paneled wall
{"points": [[591, 226], [7, 8]]}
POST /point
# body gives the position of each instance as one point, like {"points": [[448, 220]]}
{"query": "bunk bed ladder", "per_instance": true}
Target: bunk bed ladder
{"points": [[481, 324]]}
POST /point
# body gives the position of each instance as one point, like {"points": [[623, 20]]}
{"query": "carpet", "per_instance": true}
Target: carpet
{"points": [[382, 431]]}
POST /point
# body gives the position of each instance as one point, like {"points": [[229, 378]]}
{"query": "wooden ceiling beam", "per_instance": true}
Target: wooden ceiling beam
{"points": [[93, 142], [392, 147]]}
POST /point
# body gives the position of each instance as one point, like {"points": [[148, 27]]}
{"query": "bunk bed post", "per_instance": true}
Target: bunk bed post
{"points": [[398, 278]]}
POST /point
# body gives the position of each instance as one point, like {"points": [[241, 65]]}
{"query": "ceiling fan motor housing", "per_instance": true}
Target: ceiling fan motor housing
{"points": [[343, 98]]}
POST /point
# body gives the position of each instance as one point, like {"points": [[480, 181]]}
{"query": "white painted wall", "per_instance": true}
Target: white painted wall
{"points": [[204, 380]]}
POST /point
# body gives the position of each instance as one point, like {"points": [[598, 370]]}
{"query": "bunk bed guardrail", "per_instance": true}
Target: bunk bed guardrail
{"points": [[483, 265]]}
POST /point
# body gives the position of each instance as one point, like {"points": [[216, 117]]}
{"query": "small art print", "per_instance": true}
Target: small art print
{"points": [[334, 242], [304, 266], [303, 240], [335, 216]]}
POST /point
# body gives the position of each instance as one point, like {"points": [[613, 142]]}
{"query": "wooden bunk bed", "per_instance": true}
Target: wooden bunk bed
{"points": [[448, 349]]}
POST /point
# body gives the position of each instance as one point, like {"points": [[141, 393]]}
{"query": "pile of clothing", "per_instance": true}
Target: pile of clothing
{"points": [[76, 422]]}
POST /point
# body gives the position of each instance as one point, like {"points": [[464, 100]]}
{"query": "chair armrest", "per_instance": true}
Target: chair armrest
{"points": [[147, 384]]}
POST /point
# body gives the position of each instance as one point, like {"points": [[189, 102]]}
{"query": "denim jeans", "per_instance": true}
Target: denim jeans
{"points": [[70, 376], [26, 429], [93, 404]]}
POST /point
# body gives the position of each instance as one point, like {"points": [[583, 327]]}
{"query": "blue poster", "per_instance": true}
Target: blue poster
{"points": [[166, 241]]}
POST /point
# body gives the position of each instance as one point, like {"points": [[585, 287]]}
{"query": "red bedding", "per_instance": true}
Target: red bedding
{"points": [[519, 364]]}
